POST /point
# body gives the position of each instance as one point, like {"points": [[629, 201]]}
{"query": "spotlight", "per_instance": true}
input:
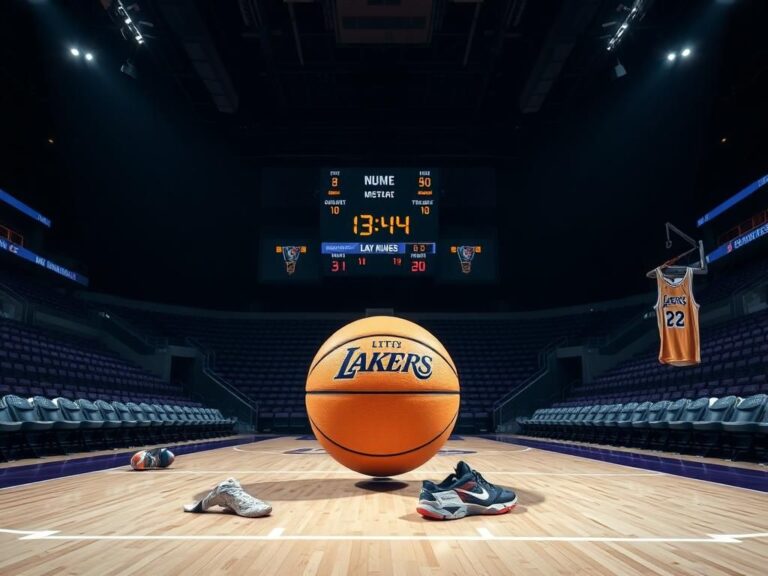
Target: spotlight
{"points": [[686, 52], [89, 56], [671, 57], [75, 52], [723, 140]]}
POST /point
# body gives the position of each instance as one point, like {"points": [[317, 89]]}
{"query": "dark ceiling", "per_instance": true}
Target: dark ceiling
{"points": [[588, 166]]}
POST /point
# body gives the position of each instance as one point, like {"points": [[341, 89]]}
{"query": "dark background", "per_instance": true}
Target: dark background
{"points": [[157, 194]]}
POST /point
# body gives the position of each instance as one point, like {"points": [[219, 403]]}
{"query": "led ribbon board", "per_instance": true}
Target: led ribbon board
{"points": [[30, 256], [21, 207], [737, 243], [733, 200]]}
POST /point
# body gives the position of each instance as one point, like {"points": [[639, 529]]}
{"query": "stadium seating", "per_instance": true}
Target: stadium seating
{"points": [[266, 358], [37, 362], [727, 426], [40, 425], [58, 297], [734, 363]]}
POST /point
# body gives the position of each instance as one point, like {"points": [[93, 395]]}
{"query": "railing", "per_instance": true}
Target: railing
{"points": [[612, 341], [126, 333], [22, 302], [544, 357], [234, 400]]}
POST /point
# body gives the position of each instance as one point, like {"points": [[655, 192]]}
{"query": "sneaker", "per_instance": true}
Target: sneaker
{"points": [[463, 493], [230, 495], [145, 460]]}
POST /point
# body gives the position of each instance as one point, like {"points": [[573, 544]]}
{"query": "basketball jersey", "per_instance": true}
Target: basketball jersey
{"points": [[677, 315]]}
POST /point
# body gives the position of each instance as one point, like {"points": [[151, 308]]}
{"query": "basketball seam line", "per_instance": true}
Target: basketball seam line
{"points": [[447, 361], [385, 455], [374, 392]]}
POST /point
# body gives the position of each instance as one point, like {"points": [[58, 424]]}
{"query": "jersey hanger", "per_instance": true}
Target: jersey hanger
{"points": [[669, 268]]}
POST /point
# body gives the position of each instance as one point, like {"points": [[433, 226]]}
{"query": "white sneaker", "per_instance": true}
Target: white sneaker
{"points": [[230, 495]]}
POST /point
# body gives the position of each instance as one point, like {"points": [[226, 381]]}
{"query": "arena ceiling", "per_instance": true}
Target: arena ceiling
{"points": [[427, 76]]}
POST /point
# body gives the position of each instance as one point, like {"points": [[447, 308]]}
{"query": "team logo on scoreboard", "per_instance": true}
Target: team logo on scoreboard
{"points": [[291, 256], [466, 254]]}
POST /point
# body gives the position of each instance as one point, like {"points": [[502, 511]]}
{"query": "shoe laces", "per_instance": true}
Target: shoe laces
{"points": [[241, 497], [479, 478]]}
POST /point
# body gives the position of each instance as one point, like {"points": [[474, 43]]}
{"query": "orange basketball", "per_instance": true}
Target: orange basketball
{"points": [[382, 395]]}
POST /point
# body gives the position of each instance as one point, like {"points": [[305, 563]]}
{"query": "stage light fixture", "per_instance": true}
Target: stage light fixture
{"points": [[74, 51], [131, 26], [89, 56], [686, 52], [635, 13], [671, 57]]}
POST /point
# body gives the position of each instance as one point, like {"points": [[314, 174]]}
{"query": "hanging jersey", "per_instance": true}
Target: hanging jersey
{"points": [[677, 315]]}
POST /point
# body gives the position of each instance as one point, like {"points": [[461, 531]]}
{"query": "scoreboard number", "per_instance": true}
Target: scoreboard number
{"points": [[379, 221]]}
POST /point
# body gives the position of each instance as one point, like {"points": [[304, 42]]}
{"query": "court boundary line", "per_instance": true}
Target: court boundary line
{"points": [[483, 535], [282, 453], [122, 469]]}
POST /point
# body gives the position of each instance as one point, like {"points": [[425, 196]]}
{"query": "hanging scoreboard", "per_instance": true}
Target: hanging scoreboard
{"points": [[379, 221]]}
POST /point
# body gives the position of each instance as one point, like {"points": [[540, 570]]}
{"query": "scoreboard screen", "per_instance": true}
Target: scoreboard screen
{"points": [[379, 221]]}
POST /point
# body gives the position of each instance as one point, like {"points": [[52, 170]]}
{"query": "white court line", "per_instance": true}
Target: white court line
{"points": [[288, 453], [485, 537], [276, 533], [485, 532], [350, 472]]}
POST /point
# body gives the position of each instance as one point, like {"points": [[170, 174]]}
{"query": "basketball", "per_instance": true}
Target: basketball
{"points": [[139, 461], [382, 395]]}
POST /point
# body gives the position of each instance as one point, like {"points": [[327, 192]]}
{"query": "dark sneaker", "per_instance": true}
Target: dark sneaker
{"points": [[463, 493]]}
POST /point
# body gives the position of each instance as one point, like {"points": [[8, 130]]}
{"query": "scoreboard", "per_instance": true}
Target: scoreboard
{"points": [[379, 221]]}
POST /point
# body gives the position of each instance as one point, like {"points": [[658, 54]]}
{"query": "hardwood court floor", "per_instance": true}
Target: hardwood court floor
{"points": [[575, 516]]}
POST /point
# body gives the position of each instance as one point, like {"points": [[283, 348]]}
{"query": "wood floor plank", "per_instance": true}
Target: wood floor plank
{"points": [[361, 527]]}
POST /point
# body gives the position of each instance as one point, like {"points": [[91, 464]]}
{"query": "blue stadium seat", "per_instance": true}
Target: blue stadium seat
{"points": [[681, 430], [23, 411], [707, 431], [138, 414], [745, 419], [9, 430], [671, 414], [743, 427], [48, 410], [74, 413], [36, 433], [103, 410], [692, 413]]}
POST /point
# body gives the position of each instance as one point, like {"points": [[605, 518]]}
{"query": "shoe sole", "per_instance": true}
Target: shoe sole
{"points": [[428, 510]]}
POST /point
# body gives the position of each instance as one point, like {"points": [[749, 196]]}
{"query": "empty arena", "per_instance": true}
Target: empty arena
{"points": [[363, 287]]}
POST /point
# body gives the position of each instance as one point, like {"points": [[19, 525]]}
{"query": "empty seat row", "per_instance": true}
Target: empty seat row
{"points": [[38, 423], [728, 425]]}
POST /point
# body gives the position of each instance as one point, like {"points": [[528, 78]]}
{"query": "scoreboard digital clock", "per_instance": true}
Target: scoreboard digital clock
{"points": [[379, 221]]}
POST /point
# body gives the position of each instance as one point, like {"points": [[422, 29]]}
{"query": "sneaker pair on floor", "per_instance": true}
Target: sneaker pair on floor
{"points": [[463, 493], [231, 496]]}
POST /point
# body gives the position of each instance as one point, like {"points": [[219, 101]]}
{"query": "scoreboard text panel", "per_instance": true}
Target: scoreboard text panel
{"points": [[379, 221]]}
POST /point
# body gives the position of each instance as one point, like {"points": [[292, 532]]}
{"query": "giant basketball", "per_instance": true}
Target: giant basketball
{"points": [[382, 395]]}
